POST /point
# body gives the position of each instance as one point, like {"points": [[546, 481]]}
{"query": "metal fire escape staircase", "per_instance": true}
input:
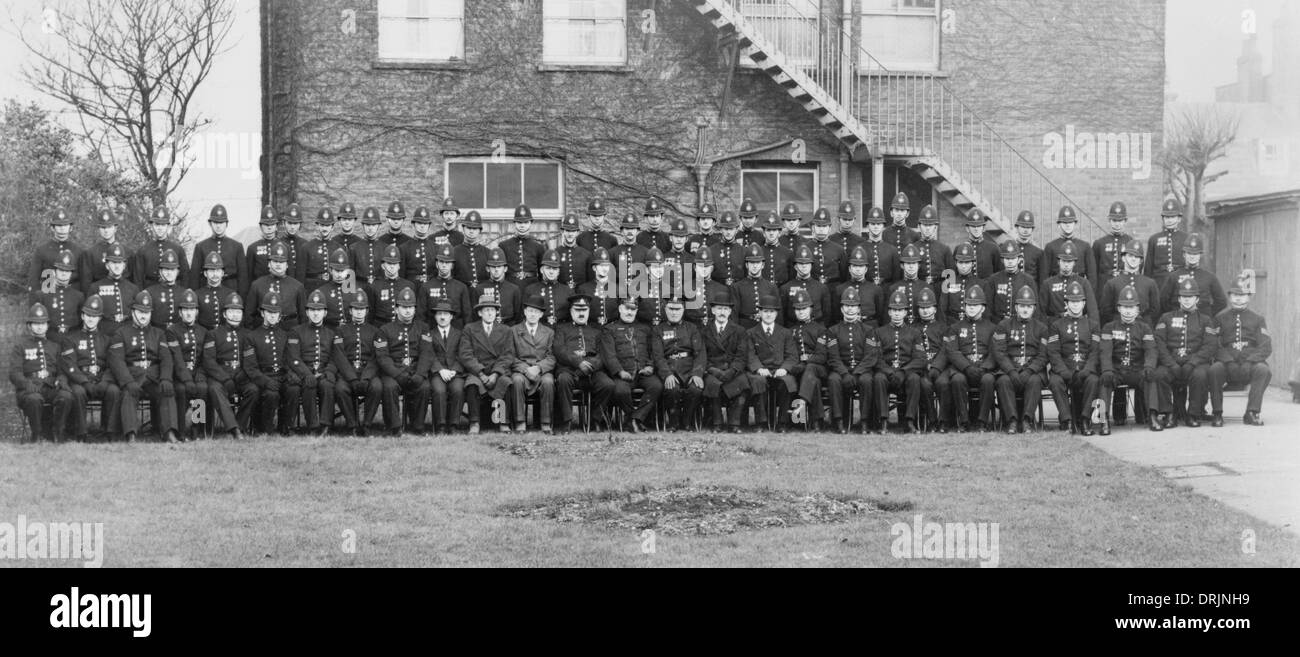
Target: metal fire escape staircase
{"points": [[912, 119]]}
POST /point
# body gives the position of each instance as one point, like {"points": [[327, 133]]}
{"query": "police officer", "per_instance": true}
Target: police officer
{"points": [[1187, 340], [987, 259], [803, 280], [1108, 251], [347, 236], [1129, 355], [234, 269], [1149, 303], [1165, 248], [811, 369], [932, 360], [258, 255], [728, 251], [266, 363], [212, 293], [223, 355], [603, 289], [288, 291], [508, 295], [554, 294], [1244, 348], [653, 236], [404, 350], [575, 261], [443, 286], [898, 370], [314, 258], [853, 353], [971, 360], [1067, 221], [910, 284], [578, 361], [952, 292], [1006, 283], [596, 237], [791, 220], [94, 260], [311, 355], [681, 366], [115, 289], [726, 347], [828, 257], [447, 375], [679, 260], [62, 299], [777, 260], [1212, 300], [936, 257], [186, 338], [487, 352], [417, 254], [898, 234], [847, 236], [356, 359], [772, 358], [85, 364], [340, 290], [386, 289], [291, 219], [629, 351], [650, 306], [34, 370], [1031, 257], [142, 364], [1020, 349], [471, 256], [523, 252], [1051, 296], [448, 234], [367, 252], [396, 216], [706, 220], [167, 292], [752, 289], [749, 232], [1073, 348], [43, 261]]}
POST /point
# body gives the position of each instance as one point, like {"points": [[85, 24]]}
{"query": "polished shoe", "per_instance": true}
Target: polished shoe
{"points": [[1066, 425], [362, 432], [503, 428], [546, 429], [882, 428], [911, 427], [1087, 428], [843, 428], [1216, 420], [782, 428], [1191, 421], [962, 428], [130, 436], [473, 428], [736, 429], [1252, 418], [236, 434], [1167, 421], [395, 433], [1154, 424], [943, 428], [1010, 428], [171, 436], [521, 427], [635, 426], [1020, 426], [1105, 429]]}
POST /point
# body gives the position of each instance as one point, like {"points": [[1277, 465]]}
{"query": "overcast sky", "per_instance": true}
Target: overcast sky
{"points": [[1203, 39]]}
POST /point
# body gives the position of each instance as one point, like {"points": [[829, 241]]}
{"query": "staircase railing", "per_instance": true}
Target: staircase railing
{"points": [[913, 115]]}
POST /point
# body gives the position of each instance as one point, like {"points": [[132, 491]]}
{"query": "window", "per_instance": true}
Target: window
{"points": [[1272, 158], [495, 188], [902, 35], [421, 30], [772, 188], [790, 25], [584, 32]]}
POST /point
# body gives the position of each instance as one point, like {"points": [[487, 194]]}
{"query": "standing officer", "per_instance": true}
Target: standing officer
{"points": [[258, 255], [223, 354], [629, 351], [315, 254], [1051, 297], [523, 252], [1020, 349], [311, 355], [487, 352], [534, 365], [167, 292], [952, 295], [288, 291], [396, 216], [897, 370], [1073, 347], [1165, 248], [85, 364], [212, 293], [575, 261], [1108, 251], [367, 252], [577, 362], [1212, 300], [508, 295], [266, 363], [1006, 284], [443, 286], [356, 359], [63, 300], [1149, 303], [706, 219], [899, 234], [749, 232], [1129, 355], [910, 284], [753, 288], [49, 253], [791, 220], [772, 358], [987, 259], [142, 365], [404, 351], [681, 367], [147, 258], [811, 339], [726, 347], [417, 253], [595, 236], [969, 344], [448, 233], [881, 257], [803, 280], [384, 291], [94, 260], [603, 289], [234, 271], [653, 236], [847, 237], [291, 219], [853, 354], [728, 252], [337, 294], [1067, 221], [471, 257], [554, 294], [347, 220], [447, 375], [1244, 348], [1187, 340], [828, 257], [1031, 257], [34, 370], [936, 257], [777, 260], [115, 290]]}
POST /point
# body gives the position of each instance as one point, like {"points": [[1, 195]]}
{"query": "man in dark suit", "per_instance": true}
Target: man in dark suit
{"points": [[629, 351], [447, 380], [486, 352], [534, 364], [727, 347], [578, 362], [772, 357]]}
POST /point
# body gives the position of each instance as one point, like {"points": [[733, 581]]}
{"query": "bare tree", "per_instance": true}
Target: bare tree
{"points": [[130, 68], [1194, 138]]}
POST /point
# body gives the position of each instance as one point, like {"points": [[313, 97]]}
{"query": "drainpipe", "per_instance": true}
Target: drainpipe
{"points": [[844, 174], [846, 53], [878, 182]]}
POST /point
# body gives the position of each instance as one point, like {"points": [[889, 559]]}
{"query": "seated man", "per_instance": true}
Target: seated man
{"points": [[810, 338], [186, 339], [1244, 348], [629, 351], [577, 361], [487, 351], [898, 370], [85, 363], [772, 355], [1186, 340], [266, 363], [682, 367], [404, 352], [1129, 356], [142, 365], [222, 355], [311, 354], [969, 346], [1073, 347], [447, 380], [854, 352], [34, 371], [1019, 347], [725, 344], [534, 363], [357, 362]]}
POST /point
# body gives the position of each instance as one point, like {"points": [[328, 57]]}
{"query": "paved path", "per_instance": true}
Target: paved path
{"points": [[1254, 469]]}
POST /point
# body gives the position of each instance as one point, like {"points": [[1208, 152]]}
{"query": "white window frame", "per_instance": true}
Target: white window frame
{"points": [[552, 17], [816, 183], [762, 21], [451, 11], [493, 214], [865, 55]]}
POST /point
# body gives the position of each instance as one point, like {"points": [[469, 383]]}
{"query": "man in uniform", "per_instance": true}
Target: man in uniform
{"points": [[115, 290], [828, 257], [447, 375], [791, 219], [772, 357], [288, 291], [85, 364], [749, 232], [575, 261], [952, 294], [62, 299], [1006, 284], [386, 289], [356, 357], [1051, 296], [898, 234], [1129, 355], [94, 260], [147, 257], [706, 220], [47, 254], [508, 295], [602, 289], [910, 284], [486, 351], [728, 252], [932, 361], [34, 370], [753, 288], [212, 293], [533, 369], [936, 257], [1067, 221], [258, 256], [1244, 348], [417, 253], [222, 360], [1108, 251], [595, 236], [1149, 303], [1020, 349], [523, 252], [777, 260], [650, 303], [681, 367], [1031, 257], [848, 235], [167, 292], [311, 355], [142, 365], [291, 218], [339, 291], [629, 351], [443, 286], [404, 350], [186, 338], [971, 361], [811, 369], [346, 237], [554, 294], [315, 254], [266, 364], [447, 234], [1187, 340], [1073, 348], [853, 353], [471, 257], [1212, 300], [897, 371], [803, 280], [987, 259], [1165, 248], [368, 252], [396, 216], [653, 236], [726, 347], [577, 362]]}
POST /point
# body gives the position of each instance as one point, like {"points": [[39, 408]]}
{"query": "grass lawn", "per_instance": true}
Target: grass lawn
{"points": [[443, 501]]}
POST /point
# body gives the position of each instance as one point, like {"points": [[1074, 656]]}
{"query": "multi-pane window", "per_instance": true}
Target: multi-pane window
{"points": [[584, 32], [771, 189], [421, 30], [496, 187], [902, 35]]}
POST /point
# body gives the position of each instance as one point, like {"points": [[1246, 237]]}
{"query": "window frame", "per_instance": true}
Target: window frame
{"points": [[808, 62], [551, 60], [760, 167], [410, 58], [865, 58], [496, 214]]}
